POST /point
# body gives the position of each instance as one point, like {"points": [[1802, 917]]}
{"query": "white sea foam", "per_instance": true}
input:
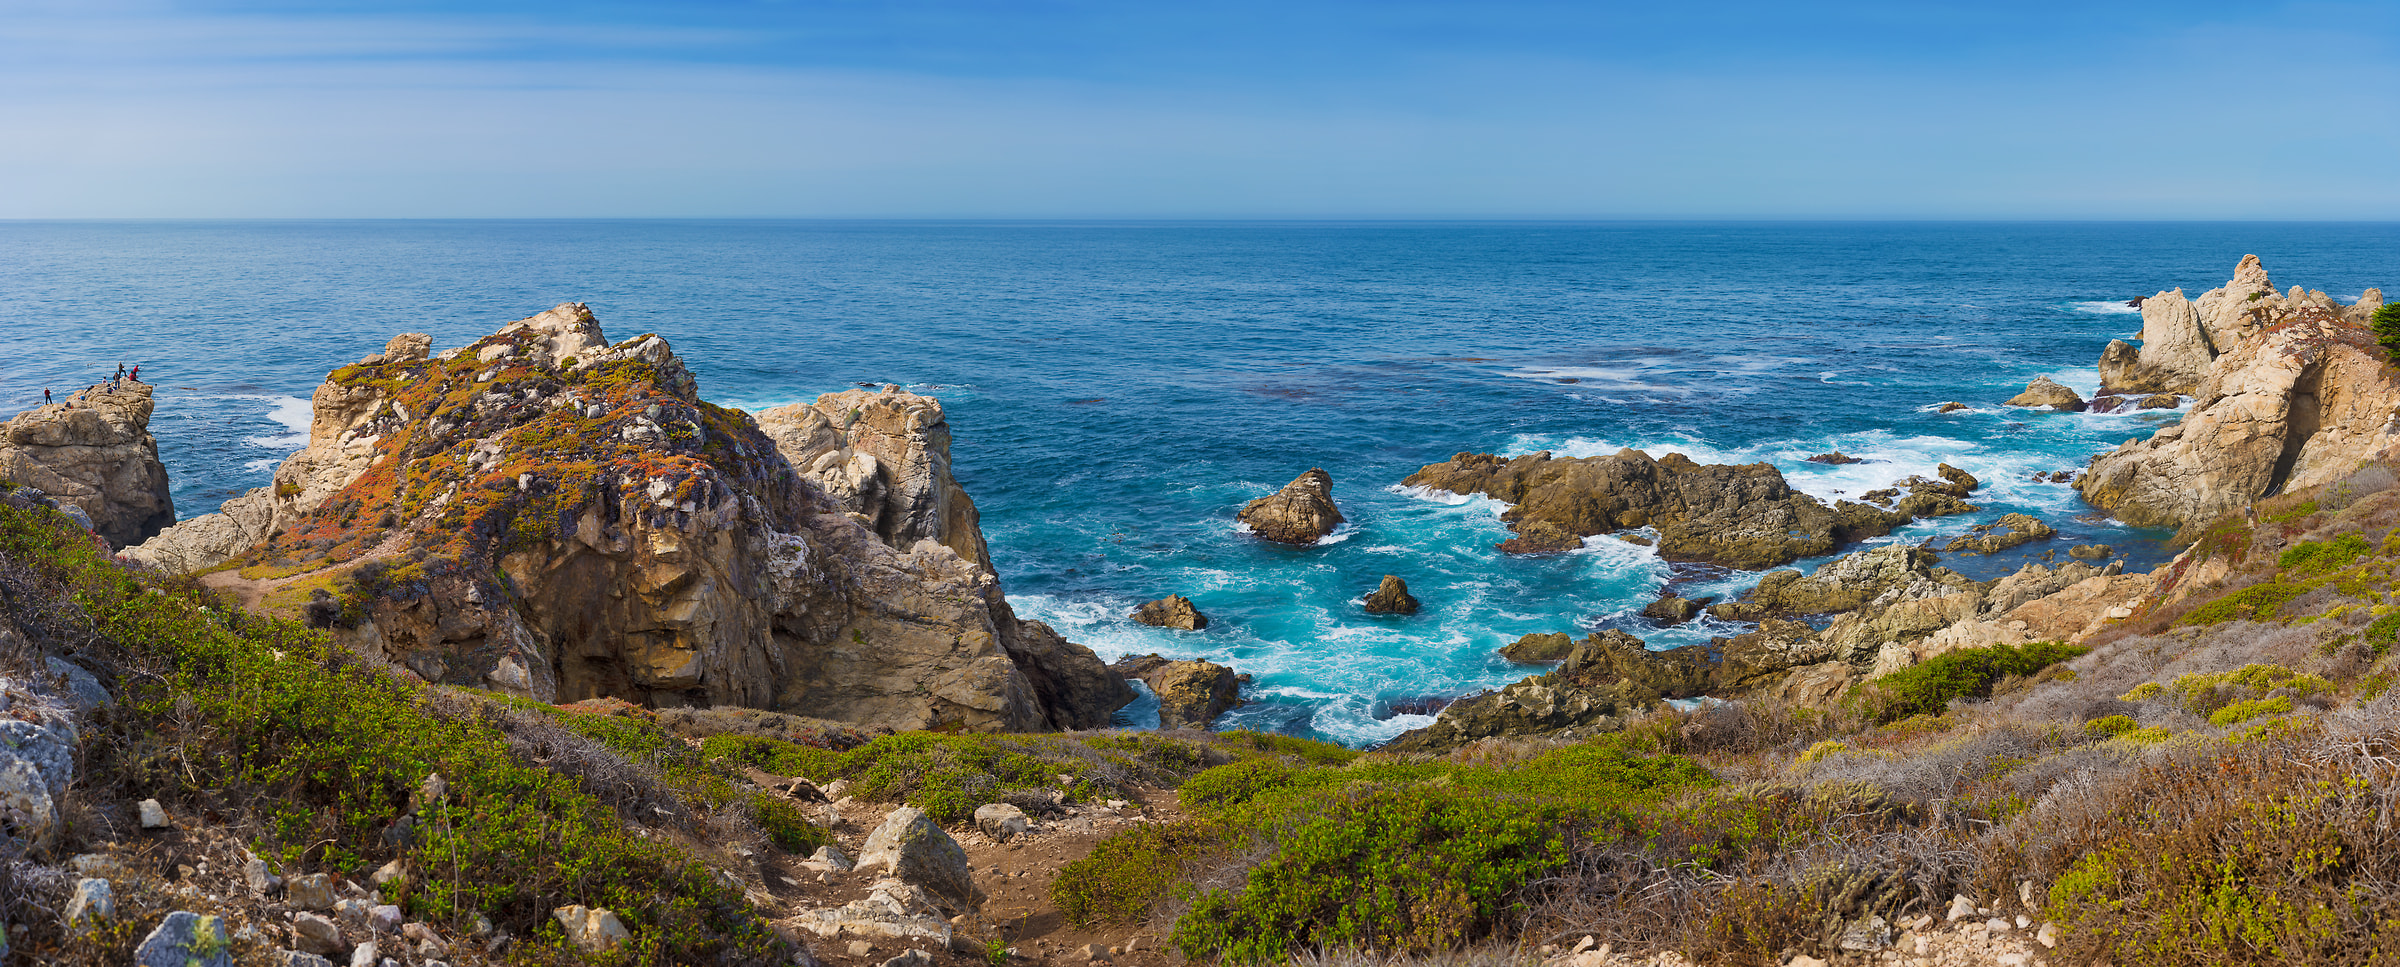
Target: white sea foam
{"points": [[292, 413], [269, 463], [2106, 308]]}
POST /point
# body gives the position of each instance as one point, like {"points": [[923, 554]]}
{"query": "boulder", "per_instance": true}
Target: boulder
{"points": [[1835, 458], [1539, 647], [295, 958], [909, 847], [2091, 552], [79, 687], [1172, 611], [317, 934], [186, 939], [309, 891], [94, 450], [37, 761], [1953, 407], [1301, 513], [1736, 516], [2043, 392], [1391, 597], [1001, 821], [1847, 583], [208, 540], [1757, 660], [593, 931], [2011, 530], [615, 535], [1191, 694], [1671, 610], [2162, 401]]}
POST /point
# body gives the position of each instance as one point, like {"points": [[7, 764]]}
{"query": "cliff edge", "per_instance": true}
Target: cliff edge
{"points": [[94, 450]]}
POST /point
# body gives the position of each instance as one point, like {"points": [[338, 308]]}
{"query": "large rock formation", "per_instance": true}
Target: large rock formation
{"points": [[1172, 611], [549, 514], [1301, 513], [1191, 694], [1737, 516], [2044, 391], [1391, 597], [94, 450], [208, 540], [886, 456], [1845, 583], [1607, 677], [2299, 398], [2174, 355]]}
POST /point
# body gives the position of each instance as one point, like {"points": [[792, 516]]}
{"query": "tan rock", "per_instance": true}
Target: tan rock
{"points": [[2045, 392], [1172, 611], [909, 847], [2175, 353], [1301, 513], [1539, 647], [1391, 597], [1191, 694], [886, 456], [203, 542], [593, 931], [94, 450]]}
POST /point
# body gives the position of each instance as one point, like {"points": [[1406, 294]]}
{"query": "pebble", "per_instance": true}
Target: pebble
{"points": [[154, 816]]}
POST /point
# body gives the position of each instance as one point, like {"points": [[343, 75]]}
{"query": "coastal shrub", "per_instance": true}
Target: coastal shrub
{"points": [[2110, 726], [269, 724], [1126, 875], [2386, 324], [2258, 602], [2323, 557], [1418, 870], [1928, 687], [774, 756]]}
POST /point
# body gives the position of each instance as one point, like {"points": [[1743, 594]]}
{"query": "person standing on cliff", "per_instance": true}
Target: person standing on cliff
{"points": [[45, 396], [137, 374]]}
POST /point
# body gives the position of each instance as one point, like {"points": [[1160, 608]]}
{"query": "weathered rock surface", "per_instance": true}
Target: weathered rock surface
{"points": [[2300, 401], [885, 455], [186, 939], [1391, 597], [1172, 611], [552, 515], [1607, 677], [1845, 583], [37, 762], [94, 450], [1737, 516], [2044, 392], [591, 930], [1001, 821], [911, 848], [1191, 694], [1539, 647], [2011, 530], [208, 540], [1301, 513], [2174, 355], [1670, 610]]}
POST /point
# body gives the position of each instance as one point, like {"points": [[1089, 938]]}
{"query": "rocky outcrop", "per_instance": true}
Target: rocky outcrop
{"points": [[552, 515], [1391, 597], [94, 450], [1172, 611], [2044, 392], [2174, 355], [1671, 610], [1301, 513], [1539, 647], [1736, 516], [2230, 314], [1607, 677], [911, 848], [208, 540], [1845, 583], [1191, 694], [2302, 403], [2011, 530], [885, 455]]}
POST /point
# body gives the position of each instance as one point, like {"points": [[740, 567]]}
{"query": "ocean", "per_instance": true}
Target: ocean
{"points": [[1118, 390]]}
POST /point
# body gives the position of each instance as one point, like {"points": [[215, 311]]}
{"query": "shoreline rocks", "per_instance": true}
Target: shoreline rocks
{"points": [[1191, 694], [2011, 530], [2044, 392], [94, 450], [1301, 513]]}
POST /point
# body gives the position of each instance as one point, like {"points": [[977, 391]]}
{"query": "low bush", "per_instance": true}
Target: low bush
{"points": [[1928, 687]]}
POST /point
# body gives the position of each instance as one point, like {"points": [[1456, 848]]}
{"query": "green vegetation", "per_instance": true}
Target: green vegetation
{"points": [[327, 753], [2386, 324], [1928, 687], [2321, 557]]}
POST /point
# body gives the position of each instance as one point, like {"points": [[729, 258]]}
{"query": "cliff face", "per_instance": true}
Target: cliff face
{"points": [[556, 516], [94, 450], [2298, 395]]}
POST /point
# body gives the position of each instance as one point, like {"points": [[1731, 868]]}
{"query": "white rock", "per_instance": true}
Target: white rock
{"points": [[592, 930], [1960, 909], [2048, 935], [93, 898], [1000, 820], [154, 816], [364, 955]]}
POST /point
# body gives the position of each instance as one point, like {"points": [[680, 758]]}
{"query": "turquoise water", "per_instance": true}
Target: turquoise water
{"points": [[1118, 390]]}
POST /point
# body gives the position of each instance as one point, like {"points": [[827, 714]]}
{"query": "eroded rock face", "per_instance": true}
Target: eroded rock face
{"points": [[2174, 355], [2300, 404], [1302, 512], [1737, 516], [208, 540], [2011, 530], [886, 456], [1607, 677], [549, 514], [1842, 584], [1191, 694], [94, 450], [1539, 647]]}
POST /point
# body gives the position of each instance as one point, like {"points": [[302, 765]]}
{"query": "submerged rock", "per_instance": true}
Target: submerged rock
{"points": [[1835, 458], [1172, 611], [2043, 392], [1391, 597], [94, 451], [1301, 513]]}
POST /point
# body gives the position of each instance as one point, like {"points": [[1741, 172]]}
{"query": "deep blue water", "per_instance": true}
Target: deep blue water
{"points": [[1118, 390]]}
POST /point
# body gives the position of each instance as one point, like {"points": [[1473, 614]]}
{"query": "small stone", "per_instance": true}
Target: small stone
{"points": [[310, 891], [394, 873], [913, 958], [2012, 959], [1804, 960], [861, 948], [296, 958], [1001, 821], [93, 898], [831, 858], [384, 919], [316, 934], [432, 791], [592, 930], [154, 816], [1092, 953], [2048, 935], [1960, 909], [186, 939], [1997, 925], [364, 955], [2024, 921], [262, 882]]}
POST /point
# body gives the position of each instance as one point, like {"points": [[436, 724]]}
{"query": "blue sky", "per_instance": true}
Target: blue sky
{"points": [[845, 108]]}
